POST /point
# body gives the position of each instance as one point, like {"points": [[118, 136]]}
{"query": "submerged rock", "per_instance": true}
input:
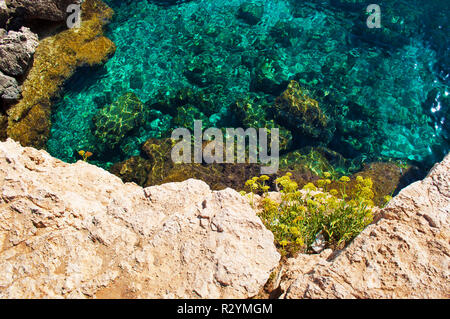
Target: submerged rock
{"points": [[155, 167], [250, 12], [252, 114], [55, 60], [76, 231], [302, 115], [169, 101], [268, 77], [283, 32], [114, 121]]}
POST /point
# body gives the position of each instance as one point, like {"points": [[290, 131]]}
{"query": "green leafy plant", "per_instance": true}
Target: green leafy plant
{"points": [[302, 215]]}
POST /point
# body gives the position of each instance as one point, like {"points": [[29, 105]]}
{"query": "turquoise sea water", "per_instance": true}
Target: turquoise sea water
{"points": [[384, 91]]}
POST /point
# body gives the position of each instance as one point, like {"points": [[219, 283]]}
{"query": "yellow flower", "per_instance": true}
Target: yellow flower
{"points": [[250, 182], [344, 179], [352, 203], [284, 243], [310, 187], [359, 179], [294, 231], [302, 209], [264, 178], [327, 174], [334, 192], [366, 193], [293, 185], [369, 202], [322, 209], [312, 203], [321, 183], [368, 182]]}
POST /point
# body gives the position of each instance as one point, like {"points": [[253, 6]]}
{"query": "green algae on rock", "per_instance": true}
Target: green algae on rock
{"points": [[56, 59], [114, 121], [155, 167], [302, 115], [254, 114]]}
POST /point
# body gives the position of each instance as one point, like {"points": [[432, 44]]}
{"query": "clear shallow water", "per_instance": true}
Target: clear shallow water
{"points": [[385, 94]]}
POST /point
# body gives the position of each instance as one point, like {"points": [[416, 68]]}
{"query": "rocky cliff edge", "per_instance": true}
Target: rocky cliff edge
{"points": [[75, 230]]}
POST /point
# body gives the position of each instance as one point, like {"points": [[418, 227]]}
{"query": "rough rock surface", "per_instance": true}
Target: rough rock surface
{"points": [[10, 90], [75, 230], [4, 14], [405, 254], [16, 51], [52, 10]]}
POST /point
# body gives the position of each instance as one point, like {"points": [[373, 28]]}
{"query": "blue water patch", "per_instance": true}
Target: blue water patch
{"points": [[384, 91]]}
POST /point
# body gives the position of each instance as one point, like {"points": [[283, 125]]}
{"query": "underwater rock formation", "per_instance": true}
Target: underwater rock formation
{"points": [[302, 115], [55, 60], [254, 114], [187, 115], [114, 121], [155, 167], [80, 232], [168, 102], [251, 12], [267, 77], [387, 177]]}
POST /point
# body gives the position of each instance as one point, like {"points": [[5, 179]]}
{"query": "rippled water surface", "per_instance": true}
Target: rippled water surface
{"points": [[384, 91]]}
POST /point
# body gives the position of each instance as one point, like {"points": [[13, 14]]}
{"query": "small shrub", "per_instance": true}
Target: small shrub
{"points": [[85, 155], [301, 215]]}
